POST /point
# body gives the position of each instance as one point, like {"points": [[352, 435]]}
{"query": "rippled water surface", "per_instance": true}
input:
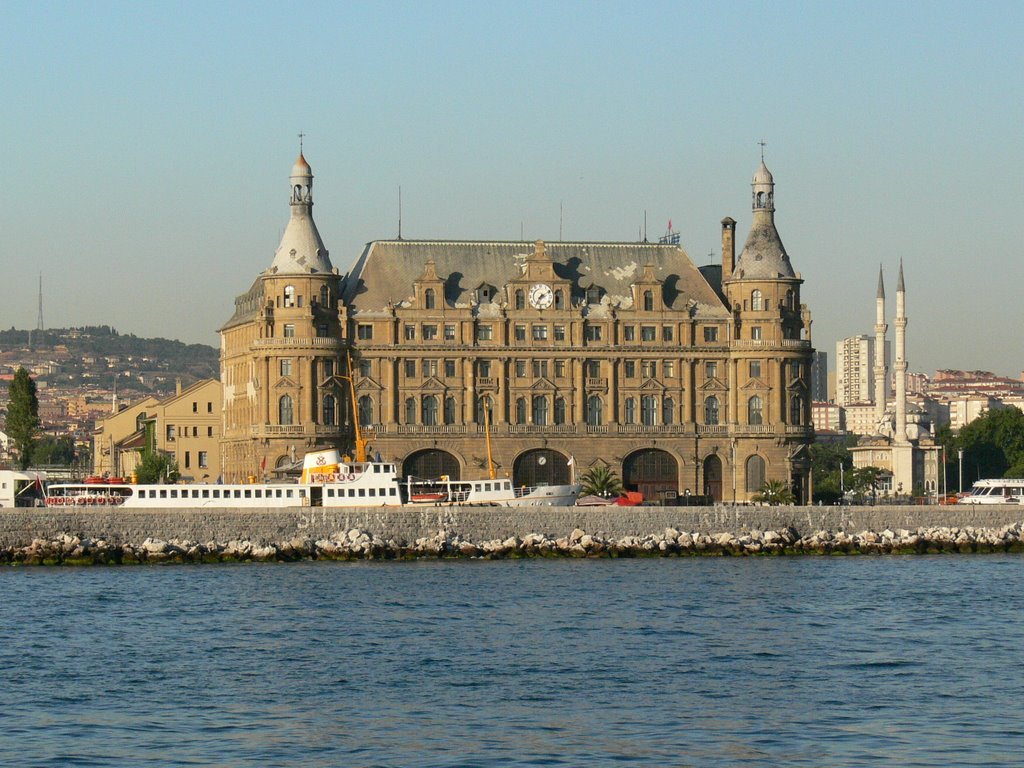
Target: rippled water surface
{"points": [[908, 661]]}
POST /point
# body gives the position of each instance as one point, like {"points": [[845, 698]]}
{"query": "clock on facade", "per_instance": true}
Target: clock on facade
{"points": [[541, 296]]}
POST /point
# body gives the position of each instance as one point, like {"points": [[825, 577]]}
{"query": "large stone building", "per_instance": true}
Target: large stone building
{"points": [[551, 358]]}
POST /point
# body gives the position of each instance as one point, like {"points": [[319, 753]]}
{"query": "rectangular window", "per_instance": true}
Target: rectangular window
{"points": [[449, 369], [755, 333], [540, 368], [170, 433], [327, 366], [484, 333], [289, 330], [209, 431], [667, 333], [188, 459], [203, 463], [365, 367], [593, 369], [410, 333], [559, 333], [429, 368], [560, 369], [648, 333], [286, 366], [410, 369], [520, 369], [321, 330], [483, 368], [209, 407], [449, 333], [629, 333], [710, 370], [540, 333], [429, 332], [649, 369], [520, 333], [669, 369], [711, 333], [195, 407], [755, 369], [630, 369], [593, 333], [364, 331]]}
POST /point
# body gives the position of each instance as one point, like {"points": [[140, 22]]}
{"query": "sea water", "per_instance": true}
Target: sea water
{"points": [[794, 661]]}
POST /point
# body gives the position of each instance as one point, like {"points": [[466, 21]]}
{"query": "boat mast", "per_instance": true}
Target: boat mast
{"points": [[360, 443]]}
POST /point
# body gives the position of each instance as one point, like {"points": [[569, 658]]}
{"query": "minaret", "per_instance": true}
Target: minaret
{"points": [[880, 330], [901, 360]]}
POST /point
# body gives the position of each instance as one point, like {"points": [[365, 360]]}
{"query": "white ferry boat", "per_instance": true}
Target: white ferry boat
{"points": [[327, 480], [1005, 491]]}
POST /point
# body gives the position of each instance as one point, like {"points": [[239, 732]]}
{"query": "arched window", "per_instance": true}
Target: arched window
{"points": [[449, 410], [540, 410], [711, 410], [285, 411], [594, 411], [755, 473], [325, 295], [756, 303], [289, 295], [648, 301], [760, 199], [520, 299], [330, 415], [630, 411], [559, 410], [410, 410], [755, 410], [789, 299], [559, 299], [648, 410], [366, 410], [668, 411], [796, 410], [429, 411], [428, 298], [521, 410]]}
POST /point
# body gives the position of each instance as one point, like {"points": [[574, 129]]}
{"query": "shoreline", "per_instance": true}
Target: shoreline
{"points": [[41, 536]]}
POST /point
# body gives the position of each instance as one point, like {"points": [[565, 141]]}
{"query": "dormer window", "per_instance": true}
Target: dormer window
{"points": [[428, 299], [648, 301], [520, 299]]}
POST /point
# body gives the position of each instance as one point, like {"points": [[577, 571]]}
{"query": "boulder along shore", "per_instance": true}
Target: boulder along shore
{"points": [[355, 544]]}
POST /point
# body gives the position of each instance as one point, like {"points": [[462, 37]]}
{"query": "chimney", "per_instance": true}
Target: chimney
{"points": [[728, 248], [177, 386]]}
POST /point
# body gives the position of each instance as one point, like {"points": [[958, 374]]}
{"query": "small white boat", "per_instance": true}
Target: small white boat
{"points": [[1005, 491]]}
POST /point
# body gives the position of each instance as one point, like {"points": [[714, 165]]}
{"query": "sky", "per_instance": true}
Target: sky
{"points": [[146, 147]]}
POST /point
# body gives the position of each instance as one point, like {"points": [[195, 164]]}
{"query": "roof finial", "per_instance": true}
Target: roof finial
{"points": [[301, 137], [763, 144]]}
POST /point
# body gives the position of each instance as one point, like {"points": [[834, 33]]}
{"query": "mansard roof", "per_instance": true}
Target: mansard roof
{"points": [[384, 274]]}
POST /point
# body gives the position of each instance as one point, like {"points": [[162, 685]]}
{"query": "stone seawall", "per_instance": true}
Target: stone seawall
{"points": [[20, 527]]}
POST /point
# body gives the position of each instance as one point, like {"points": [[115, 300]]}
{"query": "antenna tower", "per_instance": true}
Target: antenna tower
{"points": [[39, 320]]}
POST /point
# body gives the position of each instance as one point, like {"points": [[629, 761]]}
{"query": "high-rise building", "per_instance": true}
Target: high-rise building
{"points": [[855, 370], [819, 376]]}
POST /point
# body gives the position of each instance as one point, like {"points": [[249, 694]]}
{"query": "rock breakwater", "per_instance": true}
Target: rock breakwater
{"points": [[355, 544]]}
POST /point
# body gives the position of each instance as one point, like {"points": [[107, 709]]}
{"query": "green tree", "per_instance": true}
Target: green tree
{"points": [[54, 450], [831, 464], [993, 445], [22, 415], [774, 492], [601, 481], [864, 481], [156, 467]]}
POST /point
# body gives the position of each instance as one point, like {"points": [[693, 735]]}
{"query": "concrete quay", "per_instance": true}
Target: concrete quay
{"points": [[41, 535]]}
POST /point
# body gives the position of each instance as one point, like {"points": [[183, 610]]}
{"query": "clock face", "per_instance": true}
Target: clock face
{"points": [[541, 296]]}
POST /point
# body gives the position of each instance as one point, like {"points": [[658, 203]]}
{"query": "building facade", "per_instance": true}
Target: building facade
{"points": [[185, 426], [541, 360]]}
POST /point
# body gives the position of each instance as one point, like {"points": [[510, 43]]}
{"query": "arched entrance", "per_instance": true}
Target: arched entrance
{"points": [[654, 473], [541, 466], [713, 478], [431, 463]]}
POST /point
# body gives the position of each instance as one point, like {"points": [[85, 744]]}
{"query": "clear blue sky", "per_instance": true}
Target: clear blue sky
{"points": [[146, 147]]}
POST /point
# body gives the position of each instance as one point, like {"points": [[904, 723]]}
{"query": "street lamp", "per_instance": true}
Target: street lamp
{"points": [[960, 455]]}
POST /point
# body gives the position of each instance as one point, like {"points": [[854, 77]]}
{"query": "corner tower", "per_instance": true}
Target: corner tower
{"points": [[770, 346], [281, 351]]}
